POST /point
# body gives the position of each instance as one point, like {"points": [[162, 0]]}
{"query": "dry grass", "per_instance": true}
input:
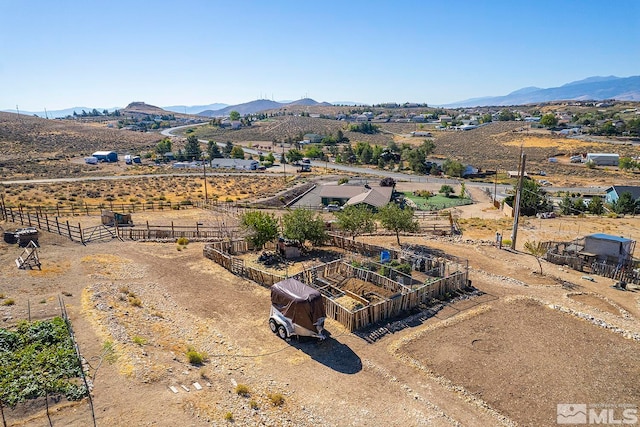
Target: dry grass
{"points": [[138, 191]]}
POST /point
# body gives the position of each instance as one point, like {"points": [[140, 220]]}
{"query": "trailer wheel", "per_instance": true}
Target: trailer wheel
{"points": [[273, 326], [282, 332]]}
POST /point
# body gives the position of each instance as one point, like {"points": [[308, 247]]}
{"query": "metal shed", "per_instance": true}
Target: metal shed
{"points": [[106, 156], [614, 250]]}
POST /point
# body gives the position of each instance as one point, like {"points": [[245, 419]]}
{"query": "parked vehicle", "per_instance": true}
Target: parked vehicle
{"points": [[296, 309]]}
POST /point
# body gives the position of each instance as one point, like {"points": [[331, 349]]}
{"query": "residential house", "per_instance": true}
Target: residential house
{"points": [[313, 138], [372, 195], [238, 164], [614, 192]]}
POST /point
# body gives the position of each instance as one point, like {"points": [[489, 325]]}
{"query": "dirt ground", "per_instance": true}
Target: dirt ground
{"points": [[154, 302]]}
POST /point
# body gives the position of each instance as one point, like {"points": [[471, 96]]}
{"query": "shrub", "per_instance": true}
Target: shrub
{"points": [[242, 390], [276, 399], [139, 340], [136, 302], [506, 242], [343, 181], [182, 241], [253, 404], [8, 302], [195, 357], [228, 416]]}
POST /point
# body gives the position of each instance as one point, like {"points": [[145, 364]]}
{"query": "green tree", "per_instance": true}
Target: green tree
{"points": [[446, 189], [237, 152], [533, 199], [627, 163], [304, 225], [270, 158], [227, 149], [537, 250], [566, 205], [364, 127], [234, 116], [164, 146], [549, 120], [452, 167], [262, 227], [356, 220], [213, 150], [486, 118], [395, 219], [294, 155], [192, 150], [506, 115], [596, 205], [624, 204], [313, 152]]}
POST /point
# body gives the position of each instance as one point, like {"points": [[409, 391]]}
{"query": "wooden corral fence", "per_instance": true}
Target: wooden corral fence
{"points": [[44, 222], [323, 278], [71, 209], [361, 248], [220, 252], [76, 233], [172, 232], [562, 253]]}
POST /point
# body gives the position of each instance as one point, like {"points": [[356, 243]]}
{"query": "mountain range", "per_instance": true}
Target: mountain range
{"points": [[260, 105], [592, 88]]}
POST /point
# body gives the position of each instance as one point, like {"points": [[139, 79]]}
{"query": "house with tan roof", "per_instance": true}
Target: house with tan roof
{"points": [[371, 195]]}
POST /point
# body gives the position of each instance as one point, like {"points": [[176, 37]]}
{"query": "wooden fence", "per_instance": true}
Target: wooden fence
{"points": [[68, 210], [76, 233], [558, 253], [323, 278], [172, 232]]}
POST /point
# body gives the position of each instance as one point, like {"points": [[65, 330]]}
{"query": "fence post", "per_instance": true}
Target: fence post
{"points": [[81, 236], [86, 208], [69, 231], [46, 219], [38, 219], [172, 231], [148, 232], [29, 219]]}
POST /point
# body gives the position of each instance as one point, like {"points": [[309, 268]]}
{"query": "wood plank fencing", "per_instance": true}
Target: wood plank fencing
{"points": [[559, 253], [78, 209], [172, 232], [323, 276]]}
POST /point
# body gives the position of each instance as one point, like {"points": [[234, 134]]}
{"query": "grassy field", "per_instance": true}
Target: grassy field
{"points": [[436, 202]]}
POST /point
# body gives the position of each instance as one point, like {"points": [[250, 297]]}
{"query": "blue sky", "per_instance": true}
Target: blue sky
{"points": [[60, 54]]}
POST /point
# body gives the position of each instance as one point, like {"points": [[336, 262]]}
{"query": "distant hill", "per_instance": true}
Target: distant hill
{"points": [[260, 105], [141, 107], [54, 114], [592, 88], [194, 109]]}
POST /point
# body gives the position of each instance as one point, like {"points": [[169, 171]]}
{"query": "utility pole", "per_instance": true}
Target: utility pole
{"points": [[204, 174], [495, 187], [516, 205], [284, 164]]}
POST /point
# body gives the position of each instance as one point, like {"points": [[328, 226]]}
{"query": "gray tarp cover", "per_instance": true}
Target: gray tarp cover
{"points": [[298, 302]]}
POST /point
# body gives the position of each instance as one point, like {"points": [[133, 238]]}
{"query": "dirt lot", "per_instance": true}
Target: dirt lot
{"points": [[486, 354], [153, 302]]}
